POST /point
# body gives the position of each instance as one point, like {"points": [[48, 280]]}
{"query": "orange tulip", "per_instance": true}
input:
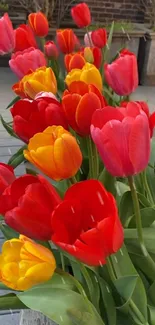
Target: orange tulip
{"points": [[42, 79], [79, 102], [74, 61], [66, 40], [55, 152], [39, 24]]}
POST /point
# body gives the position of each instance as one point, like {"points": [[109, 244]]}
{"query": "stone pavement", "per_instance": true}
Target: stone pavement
{"points": [[9, 146]]}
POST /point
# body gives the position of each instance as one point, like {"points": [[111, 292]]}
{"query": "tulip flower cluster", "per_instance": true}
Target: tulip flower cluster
{"points": [[80, 208]]}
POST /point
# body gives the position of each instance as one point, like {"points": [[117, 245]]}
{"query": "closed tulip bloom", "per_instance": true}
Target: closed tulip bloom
{"points": [[27, 205], [86, 223], [65, 40], [28, 60], [93, 55], [7, 176], [89, 74], [81, 15], [122, 137], [24, 263], [88, 39], [51, 50], [124, 65], [74, 61], [55, 152], [7, 39], [24, 38], [79, 103], [31, 117], [42, 79], [99, 37], [39, 24]]}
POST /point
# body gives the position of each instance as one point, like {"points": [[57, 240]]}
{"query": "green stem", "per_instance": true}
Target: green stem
{"points": [[148, 258], [110, 269], [148, 192], [95, 161], [62, 261], [73, 180], [90, 156], [102, 66], [88, 282], [87, 31]]}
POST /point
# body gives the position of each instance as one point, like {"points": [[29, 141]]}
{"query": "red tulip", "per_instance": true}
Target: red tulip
{"points": [[31, 117], [86, 223], [7, 176], [145, 108], [7, 38], [66, 40], [27, 205], [24, 38], [99, 37], [122, 137], [28, 60], [79, 103], [122, 74], [51, 50], [39, 24], [81, 15]]}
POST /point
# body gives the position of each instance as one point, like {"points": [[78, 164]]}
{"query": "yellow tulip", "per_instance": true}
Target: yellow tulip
{"points": [[42, 79], [24, 263], [55, 152], [89, 74]]}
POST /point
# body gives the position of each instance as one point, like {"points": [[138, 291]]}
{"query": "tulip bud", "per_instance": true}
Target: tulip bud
{"points": [[51, 50], [88, 55], [39, 24], [24, 263], [7, 42]]}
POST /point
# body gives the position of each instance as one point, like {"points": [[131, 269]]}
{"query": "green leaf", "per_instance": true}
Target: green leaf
{"points": [[108, 301], [107, 48], [147, 217], [17, 158], [126, 209], [8, 232], [121, 189], [59, 303], [8, 128], [108, 181], [13, 102], [131, 237], [151, 293], [151, 312], [61, 186], [150, 172], [10, 301]]}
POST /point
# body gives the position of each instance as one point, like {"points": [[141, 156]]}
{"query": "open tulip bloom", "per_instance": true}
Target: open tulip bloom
{"points": [[80, 223]]}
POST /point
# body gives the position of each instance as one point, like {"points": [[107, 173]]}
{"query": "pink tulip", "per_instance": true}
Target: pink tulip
{"points": [[28, 60], [7, 37], [122, 137], [122, 74], [51, 50], [88, 40]]}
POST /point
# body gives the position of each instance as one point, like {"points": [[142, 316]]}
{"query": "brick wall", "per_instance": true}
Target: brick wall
{"points": [[102, 10]]}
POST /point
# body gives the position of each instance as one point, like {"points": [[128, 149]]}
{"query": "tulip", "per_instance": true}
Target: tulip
{"points": [[27, 205], [7, 176], [79, 103], [31, 117], [66, 40], [55, 152], [88, 39], [24, 38], [122, 137], [93, 55], [124, 65], [86, 223], [39, 24], [89, 74], [81, 15], [7, 39], [99, 37], [74, 61], [42, 79], [144, 106], [24, 263], [51, 50], [28, 60]]}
